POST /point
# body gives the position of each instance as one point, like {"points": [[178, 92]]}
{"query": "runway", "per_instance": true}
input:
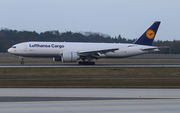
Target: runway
{"points": [[76, 65], [88, 100]]}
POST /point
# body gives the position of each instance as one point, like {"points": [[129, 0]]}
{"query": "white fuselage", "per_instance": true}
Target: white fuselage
{"points": [[54, 49]]}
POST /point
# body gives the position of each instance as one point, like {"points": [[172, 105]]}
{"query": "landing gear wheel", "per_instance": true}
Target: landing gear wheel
{"points": [[86, 63], [80, 63], [22, 62], [92, 63]]}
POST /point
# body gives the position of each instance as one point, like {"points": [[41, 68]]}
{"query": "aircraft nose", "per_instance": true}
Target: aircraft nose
{"points": [[9, 50]]}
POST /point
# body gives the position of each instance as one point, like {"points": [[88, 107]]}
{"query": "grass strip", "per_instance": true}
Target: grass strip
{"points": [[147, 77]]}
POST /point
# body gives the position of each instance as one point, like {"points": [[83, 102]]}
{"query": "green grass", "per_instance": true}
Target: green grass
{"points": [[90, 77]]}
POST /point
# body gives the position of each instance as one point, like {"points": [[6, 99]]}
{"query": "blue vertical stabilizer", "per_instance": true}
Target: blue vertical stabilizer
{"points": [[149, 35]]}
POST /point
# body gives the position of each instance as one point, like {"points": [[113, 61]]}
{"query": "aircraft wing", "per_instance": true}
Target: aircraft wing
{"points": [[96, 51]]}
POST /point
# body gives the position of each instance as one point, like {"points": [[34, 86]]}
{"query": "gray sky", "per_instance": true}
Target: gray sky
{"points": [[130, 18]]}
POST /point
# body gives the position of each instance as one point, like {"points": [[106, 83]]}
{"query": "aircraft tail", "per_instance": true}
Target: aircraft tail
{"points": [[148, 36]]}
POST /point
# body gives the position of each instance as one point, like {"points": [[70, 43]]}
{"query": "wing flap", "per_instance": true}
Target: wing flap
{"points": [[95, 51]]}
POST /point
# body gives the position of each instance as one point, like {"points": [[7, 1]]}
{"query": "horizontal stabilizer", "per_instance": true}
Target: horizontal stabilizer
{"points": [[150, 49]]}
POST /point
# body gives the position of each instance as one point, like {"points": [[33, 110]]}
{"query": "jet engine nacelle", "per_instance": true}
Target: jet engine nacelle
{"points": [[69, 56]]}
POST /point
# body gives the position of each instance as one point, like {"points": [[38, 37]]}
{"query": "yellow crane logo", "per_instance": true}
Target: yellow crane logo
{"points": [[150, 34]]}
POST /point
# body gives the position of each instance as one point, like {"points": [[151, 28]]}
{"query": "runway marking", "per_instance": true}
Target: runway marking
{"points": [[89, 107]]}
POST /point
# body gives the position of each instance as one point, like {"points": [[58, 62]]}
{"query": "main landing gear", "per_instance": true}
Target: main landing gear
{"points": [[86, 63]]}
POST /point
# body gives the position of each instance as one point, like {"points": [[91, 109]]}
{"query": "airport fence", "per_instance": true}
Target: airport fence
{"points": [[144, 56]]}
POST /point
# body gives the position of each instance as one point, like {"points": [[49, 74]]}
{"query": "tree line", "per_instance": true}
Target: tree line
{"points": [[10, 37]]}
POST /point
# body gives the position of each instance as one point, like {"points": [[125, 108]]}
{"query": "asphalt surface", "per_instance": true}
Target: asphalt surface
{"points": [[88, 100], [97, 65], [31, 99]]}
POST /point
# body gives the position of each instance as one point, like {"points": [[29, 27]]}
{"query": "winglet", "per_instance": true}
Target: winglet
{"points": [[148, 36]]}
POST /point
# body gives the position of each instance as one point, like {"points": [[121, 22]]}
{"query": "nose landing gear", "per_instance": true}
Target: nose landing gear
{"points": [[22, 60]]}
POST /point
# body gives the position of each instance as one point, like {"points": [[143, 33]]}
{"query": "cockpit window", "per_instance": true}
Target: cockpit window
{"points": [[13, 47]]}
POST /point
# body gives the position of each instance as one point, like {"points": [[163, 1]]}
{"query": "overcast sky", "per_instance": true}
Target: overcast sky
{"points": [[129, 18]]}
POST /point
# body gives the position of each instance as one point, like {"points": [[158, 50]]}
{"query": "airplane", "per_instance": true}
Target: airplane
{"points": [[74, 51]]}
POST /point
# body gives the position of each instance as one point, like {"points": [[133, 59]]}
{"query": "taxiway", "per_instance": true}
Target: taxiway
{"points": [[80, 100]]}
